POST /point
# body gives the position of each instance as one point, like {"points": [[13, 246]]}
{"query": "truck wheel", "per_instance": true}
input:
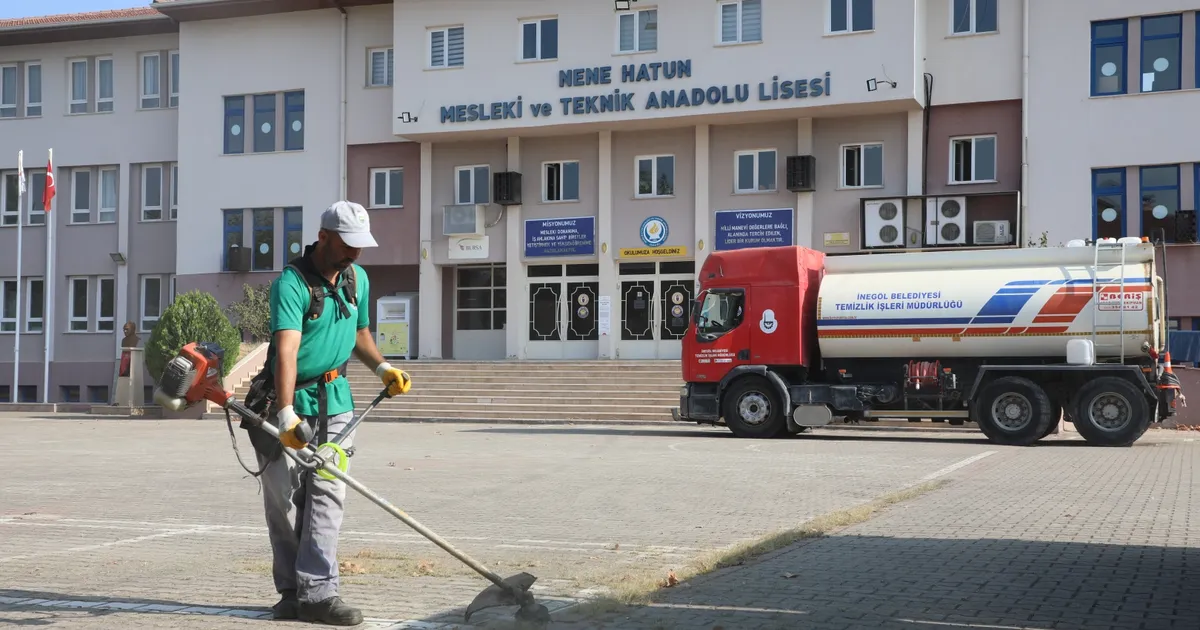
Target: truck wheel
{"points": [[753, 410], [1110, 411], [1013, 411], [1056, 414]]}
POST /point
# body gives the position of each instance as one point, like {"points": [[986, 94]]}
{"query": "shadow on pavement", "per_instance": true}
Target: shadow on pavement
{"points": [[921, 583], [98, 606]]}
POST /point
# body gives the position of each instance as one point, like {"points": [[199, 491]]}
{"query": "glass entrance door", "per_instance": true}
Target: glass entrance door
{"points": [[562, 312], [655, 308]]}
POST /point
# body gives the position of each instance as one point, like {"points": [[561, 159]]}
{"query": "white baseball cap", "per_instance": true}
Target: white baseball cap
{"points": [[351, 221]]}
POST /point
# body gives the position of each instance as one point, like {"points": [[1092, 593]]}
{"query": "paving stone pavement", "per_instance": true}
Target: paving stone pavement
{"points": [[1054, 536], [101, 516]]}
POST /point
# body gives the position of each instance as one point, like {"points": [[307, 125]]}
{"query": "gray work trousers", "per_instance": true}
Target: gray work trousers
{"points": [[304, 516]]}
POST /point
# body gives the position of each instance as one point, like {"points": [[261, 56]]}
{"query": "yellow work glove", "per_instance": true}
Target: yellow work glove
{"points": [[288, 421], [397, 381]]}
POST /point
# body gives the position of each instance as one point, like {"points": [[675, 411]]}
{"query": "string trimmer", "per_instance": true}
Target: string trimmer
{"points": [[195, 375]]}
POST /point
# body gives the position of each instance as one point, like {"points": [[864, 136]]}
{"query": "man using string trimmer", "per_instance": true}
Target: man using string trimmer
{"points": [[319, 318]]}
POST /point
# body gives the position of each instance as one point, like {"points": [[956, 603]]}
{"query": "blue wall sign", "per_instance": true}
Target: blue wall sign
{"points": [[628, 99], [654, 231], [571, 236], [738, 229]]}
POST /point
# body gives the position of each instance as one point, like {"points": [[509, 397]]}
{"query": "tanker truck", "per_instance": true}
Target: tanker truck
{"points": [[786, 339]]}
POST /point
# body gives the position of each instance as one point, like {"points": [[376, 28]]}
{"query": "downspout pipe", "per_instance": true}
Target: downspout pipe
{"points": [[1023, 190], [342, 103]]}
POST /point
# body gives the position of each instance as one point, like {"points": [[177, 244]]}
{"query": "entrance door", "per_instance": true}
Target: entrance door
{"points": [[562, 312], [656, 306]]}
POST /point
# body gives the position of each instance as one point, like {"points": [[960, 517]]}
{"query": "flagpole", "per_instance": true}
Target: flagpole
{"points": [[47, 330], [17, 332]]}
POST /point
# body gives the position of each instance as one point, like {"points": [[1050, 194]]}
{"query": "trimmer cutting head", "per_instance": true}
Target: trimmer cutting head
{"points": [[514, 593]]}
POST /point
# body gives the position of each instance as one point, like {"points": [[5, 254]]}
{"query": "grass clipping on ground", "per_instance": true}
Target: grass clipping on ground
{"points": [[621, 591]]}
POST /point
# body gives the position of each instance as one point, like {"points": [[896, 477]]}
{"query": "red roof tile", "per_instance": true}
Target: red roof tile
{"points": [[80, 18]]}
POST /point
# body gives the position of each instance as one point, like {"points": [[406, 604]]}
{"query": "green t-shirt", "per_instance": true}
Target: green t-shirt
{"points": [[326, 343]]}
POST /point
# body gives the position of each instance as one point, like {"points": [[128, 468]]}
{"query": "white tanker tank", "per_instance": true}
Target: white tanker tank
{"points": [[1026, 302]]}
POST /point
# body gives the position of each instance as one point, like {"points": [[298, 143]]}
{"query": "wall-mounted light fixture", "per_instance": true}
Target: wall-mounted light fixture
{"points": [[873, 84], [117, 257], [623, 5]]}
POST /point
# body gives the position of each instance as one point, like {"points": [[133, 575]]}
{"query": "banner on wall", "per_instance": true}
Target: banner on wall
{"points": [[739, 229], [570, 236]]}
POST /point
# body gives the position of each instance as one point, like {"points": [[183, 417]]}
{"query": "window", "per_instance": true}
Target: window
{"points": [[1162, 50], [81, 195], [35, 305], [560, 181], [89, 78], [263, 258], [1108, 203], [655, 176], [151, 302], [293, 232], [152, 185], [151, 93], [446, 49], [104, 84], [174, 191], [79, 86], [293, 119], [35, 185], [381, 62], [106, 300], [754, 171], [78, 312], [174, 79], [233, 232], [264, 122], [1160, 199], [265, 106], [862, 165], [387, 188], [480, 297], [637, 31], [235, 123], [973, 16], [10, 211], [108, 195], [741, 21], [539, 39], [1108, 57], [8, 307], [33, 89], [720, 313], [9, 94], [973, 160], [472, 184], [851, 16]]}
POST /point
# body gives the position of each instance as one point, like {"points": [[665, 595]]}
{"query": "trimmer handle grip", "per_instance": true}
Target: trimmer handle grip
{"points": [[303, 433]]}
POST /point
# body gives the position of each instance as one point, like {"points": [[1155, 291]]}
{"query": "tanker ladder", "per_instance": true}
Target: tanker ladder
{"points": [[1099, 284]]}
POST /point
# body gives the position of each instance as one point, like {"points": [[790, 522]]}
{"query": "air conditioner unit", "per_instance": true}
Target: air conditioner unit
{"points": [[946, 221], [883, 223], [801, 173], [464, 219], [991, 233]]}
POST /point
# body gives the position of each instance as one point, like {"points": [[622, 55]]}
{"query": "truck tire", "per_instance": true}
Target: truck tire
{"points": [[1111, 411], [1013, 411], [752, 409]]}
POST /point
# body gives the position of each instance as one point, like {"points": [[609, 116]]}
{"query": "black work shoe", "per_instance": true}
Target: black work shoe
{"points": [[288, 607], [332, 611]]}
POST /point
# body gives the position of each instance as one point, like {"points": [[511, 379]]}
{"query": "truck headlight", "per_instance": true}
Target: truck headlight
{"points": [[683, 391]]}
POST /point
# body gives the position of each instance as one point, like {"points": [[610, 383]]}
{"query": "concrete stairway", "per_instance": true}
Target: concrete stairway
{"points": [[525, 390]]}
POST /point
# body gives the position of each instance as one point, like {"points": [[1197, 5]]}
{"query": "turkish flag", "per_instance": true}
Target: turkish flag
{"points": [[48, 194]]}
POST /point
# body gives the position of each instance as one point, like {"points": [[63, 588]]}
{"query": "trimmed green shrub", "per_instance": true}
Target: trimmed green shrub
{"points": [[253, 312], [194, 316]]}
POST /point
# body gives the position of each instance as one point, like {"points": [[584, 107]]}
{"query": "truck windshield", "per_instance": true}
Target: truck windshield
{"points": [[719, 313]]}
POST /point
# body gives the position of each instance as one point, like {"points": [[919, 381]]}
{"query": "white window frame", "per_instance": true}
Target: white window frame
{"points": [[16, 96], [974, 4], [29, 102], [146, 168], [389, 56], [973, 140], [849, 30], [105, 105], [537, 22], [106, 215], [861, 146], [756, 153], [173, 78], [72, 295], [445, 60], [8, 325], [150, 100], [106, 323], [654, 194], [562, 181], [387, 182], [635, 14], [174, 191], [741, 31], [471, 168], [35, 214], [74, 99], [75, 209], [142, 317], [30, 320], [9, 217]]}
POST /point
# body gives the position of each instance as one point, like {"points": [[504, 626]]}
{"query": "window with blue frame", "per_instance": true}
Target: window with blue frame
{"points": [[1159, 187], [264, 123], [1162, 52], [1108, 203], [1109, 54], [264, 240], [233, 236], [235, 124], [293, 113], [293, 232]]}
